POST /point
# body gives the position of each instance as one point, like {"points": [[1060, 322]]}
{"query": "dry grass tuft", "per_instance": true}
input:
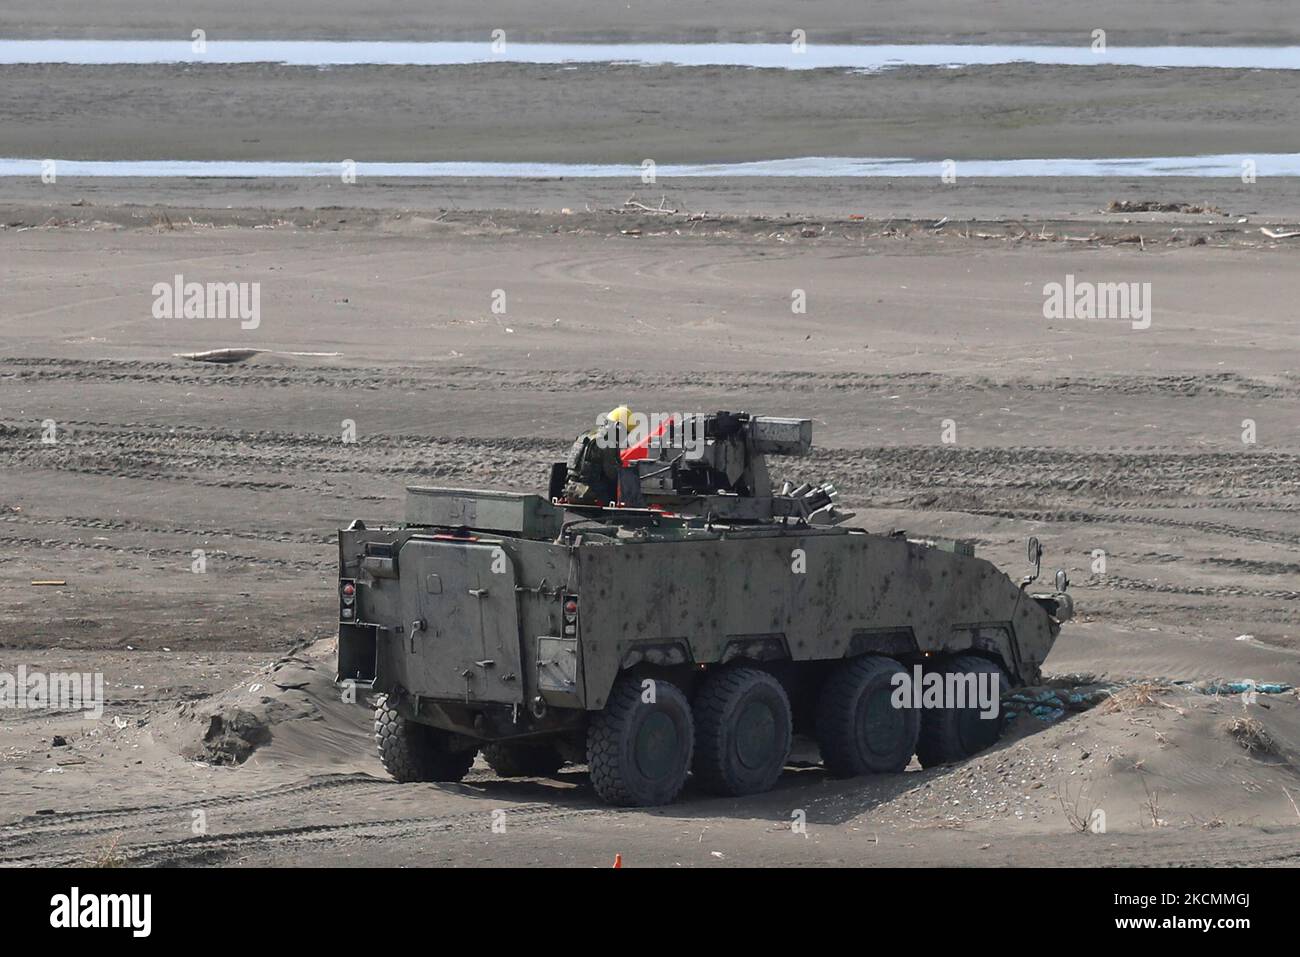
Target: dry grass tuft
{"points": [[1251, 734], [108, 856], [1146, 694], [1081, 812]]}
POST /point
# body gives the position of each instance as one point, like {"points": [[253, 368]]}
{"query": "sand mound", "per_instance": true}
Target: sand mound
{"points": [[1152, 755], [292, 713]]}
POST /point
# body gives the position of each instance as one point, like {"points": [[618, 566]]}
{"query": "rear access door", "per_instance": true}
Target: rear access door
{"points": [[461, 633]]}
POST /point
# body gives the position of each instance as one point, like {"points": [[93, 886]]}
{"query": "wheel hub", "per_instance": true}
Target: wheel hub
{"points": [[755, 734], [657, 746], [881, 723]]}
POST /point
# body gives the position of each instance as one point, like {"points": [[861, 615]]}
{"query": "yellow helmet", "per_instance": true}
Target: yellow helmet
{"points": [[621, 415]]}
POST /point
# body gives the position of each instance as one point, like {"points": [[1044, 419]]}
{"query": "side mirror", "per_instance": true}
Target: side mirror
{"points": [[1035, 552], [1062, 580]]}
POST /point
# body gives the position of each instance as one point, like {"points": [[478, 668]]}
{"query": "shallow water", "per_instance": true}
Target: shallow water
{"points": [[867, 57], [1220, 165]]}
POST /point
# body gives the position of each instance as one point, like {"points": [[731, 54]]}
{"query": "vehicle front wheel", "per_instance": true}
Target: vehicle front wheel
{"points": [[954, 734], [411, 751], [639, 746]]}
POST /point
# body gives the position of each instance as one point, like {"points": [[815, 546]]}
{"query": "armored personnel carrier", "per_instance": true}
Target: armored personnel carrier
{"points": [[665, 610]]}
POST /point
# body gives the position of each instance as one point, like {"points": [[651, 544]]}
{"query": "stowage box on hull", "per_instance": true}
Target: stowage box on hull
{"points": [[515, 513]]}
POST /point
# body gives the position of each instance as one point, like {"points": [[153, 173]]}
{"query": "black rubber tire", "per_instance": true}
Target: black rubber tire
{"points": [[639, 753], [951, 734], [411, 751], [523, 759], [858, 728], [743, 731]]}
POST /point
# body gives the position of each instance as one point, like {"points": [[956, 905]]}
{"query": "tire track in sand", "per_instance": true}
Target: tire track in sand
{"points": [[206, 848], [34, 828], [458, 378]]}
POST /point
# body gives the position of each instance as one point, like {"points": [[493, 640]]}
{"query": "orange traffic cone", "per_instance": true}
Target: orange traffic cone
{"points": [[618, 860]]}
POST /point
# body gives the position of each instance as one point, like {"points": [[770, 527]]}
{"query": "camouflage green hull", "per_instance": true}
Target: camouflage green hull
{"points": [[466, 629]]}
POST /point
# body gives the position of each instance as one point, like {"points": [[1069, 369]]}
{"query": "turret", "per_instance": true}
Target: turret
{"points": [[713, 465]]}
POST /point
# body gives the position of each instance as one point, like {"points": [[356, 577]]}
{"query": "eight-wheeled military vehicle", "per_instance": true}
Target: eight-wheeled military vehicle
{"points": [[665, 610]]}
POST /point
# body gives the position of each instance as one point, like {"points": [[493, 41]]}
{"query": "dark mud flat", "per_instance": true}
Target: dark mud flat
{"points": [[984, 206], [602, 113]]}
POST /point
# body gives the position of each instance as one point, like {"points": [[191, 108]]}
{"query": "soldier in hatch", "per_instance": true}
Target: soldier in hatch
{"points": [[594, 460]]}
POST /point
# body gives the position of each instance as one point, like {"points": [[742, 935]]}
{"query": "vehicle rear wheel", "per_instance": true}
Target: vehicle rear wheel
{"points": [[523, 759], [411, 751], [639, 750], [953, 734], [858, 728], [742, 731]]}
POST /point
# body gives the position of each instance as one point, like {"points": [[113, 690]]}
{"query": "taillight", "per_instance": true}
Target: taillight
{"points": [[571, 616], [347, 598]]}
